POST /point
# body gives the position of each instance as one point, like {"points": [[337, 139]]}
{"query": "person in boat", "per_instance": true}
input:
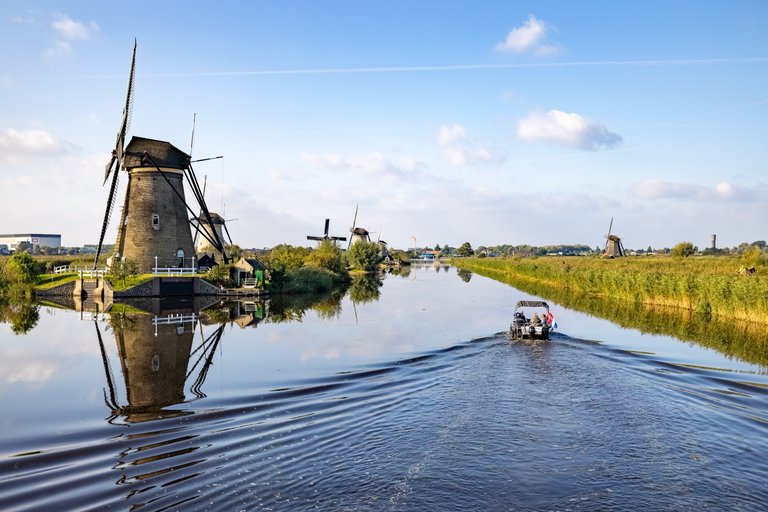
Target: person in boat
{"points": [[520, 318], [536, 321]]}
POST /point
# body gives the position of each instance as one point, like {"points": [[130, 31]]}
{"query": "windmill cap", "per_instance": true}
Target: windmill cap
{"points": [[163, 153], [215, 217]]}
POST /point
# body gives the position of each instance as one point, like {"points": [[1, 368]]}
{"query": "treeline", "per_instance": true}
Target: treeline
{"points": [[509, 250], [702, 284]]}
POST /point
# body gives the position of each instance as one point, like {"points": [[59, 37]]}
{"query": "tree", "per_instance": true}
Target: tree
{"points": [[22, 268], [364, 255], [328, 256], [286, 258], [124, 268], [234, 251], [683, 249], [465, 250]]}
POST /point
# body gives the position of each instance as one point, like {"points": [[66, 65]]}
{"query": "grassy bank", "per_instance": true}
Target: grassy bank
{"points": [[710, 285]]}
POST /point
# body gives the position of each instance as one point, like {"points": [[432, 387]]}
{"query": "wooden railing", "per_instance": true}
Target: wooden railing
{"points": [[174, 271], [174, 319], [92, 273], [64, 269]]}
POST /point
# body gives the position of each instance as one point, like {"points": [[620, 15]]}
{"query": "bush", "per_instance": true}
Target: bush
{"points": [[752, 255], [309, 280], [364, 255], [219, 275], [683, 249]]}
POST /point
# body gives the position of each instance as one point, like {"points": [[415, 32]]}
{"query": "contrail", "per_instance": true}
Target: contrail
{"points": [[425, 69], [465, 67]]}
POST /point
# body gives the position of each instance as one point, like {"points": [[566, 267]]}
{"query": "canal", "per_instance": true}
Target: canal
{"points": [[403, 393]]}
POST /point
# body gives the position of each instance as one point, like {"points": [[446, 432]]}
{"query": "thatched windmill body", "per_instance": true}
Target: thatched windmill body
{"points": [[357, 233], [613, 247], [154, 228]]}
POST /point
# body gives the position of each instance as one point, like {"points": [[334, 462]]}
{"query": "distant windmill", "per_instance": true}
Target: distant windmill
{"points": [[325, 236], [217, 229], [154, 226], [206, 231], [358, 234], [383, 247], [613, 247]]}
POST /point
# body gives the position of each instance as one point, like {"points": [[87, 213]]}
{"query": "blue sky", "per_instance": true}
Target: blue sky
{"points": [[489, 122]]}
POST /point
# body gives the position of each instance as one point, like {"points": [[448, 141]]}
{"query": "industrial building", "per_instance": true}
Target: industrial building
{"points": [[33, 239]]}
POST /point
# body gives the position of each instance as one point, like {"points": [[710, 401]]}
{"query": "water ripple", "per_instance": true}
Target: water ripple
{"points": [[487, 424]]}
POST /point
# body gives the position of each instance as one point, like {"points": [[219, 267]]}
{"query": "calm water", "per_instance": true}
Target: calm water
{"points": [[406, 398]]}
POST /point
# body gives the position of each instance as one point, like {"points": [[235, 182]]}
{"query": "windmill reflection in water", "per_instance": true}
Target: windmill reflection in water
{"points": [[157, 358]]}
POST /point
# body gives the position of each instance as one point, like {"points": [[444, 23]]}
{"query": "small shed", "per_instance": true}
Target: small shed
{"points": [[248, 271], [206, 261]]}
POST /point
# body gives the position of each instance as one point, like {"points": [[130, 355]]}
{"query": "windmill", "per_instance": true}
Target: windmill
{"points": [[154, 228], [215, 229], [383, 248], [218, 229], [358, 234], [613, 247], [325, 236]]}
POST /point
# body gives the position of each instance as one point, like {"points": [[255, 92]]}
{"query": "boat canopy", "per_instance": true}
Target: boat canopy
{"points": [[532, 304]]}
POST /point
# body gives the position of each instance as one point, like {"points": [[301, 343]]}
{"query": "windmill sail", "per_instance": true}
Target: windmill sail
{"points": [[325, 234], [117, 155]]}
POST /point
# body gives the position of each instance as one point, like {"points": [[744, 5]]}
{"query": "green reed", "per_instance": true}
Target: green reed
{"points": [[710, 285]]}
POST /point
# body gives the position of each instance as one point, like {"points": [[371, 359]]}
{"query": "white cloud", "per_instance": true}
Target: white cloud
{"points": [[570, 130], [27, 371], [16, 144], [450, 134], [68, 28], [59, 49], [528, 37], [459, 150], [721, 192]]}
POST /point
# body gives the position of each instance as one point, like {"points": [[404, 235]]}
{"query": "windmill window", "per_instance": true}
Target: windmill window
{"points": [[155, 221], [180, 253]]}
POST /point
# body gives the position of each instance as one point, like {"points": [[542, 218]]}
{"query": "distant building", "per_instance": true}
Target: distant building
{"points": [[34, 239]]}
